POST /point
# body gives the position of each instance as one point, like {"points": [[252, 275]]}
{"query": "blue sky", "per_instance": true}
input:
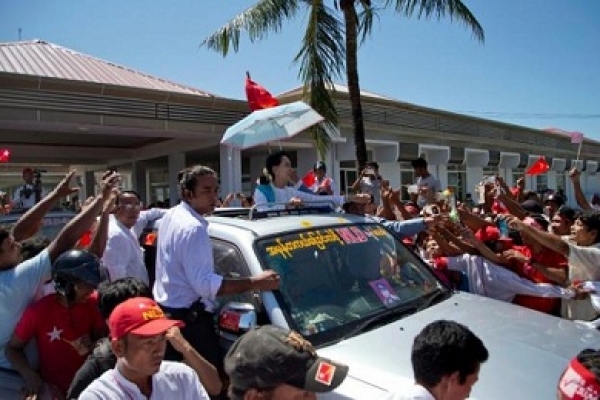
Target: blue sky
{"points": [[539, 65]]}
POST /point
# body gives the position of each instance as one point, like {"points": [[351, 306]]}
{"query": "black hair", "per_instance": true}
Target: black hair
{"points": [[539, 218], [590, 359], [568, 213], [33, 246], [274, 160], [443, 348], [591, 220], [111, 294], [373, 164], [126, 192], [188, 177], [419, 163]]}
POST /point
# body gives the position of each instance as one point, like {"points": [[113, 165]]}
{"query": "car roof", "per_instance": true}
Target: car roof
{"points": [[284, 223]]}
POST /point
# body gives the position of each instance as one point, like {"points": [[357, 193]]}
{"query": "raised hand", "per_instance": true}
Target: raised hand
{"points": [[64, 189]]}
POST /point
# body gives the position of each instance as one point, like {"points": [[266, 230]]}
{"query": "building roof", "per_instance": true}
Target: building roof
{"points": [[43, 59], [338, 88]]}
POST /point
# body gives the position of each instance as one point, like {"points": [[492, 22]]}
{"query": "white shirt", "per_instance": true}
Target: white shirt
{"points": [[584, 265], [21, 201], [283, 195], [184, 260], [371, 186], [123, 256], [174, 380], [491, 280], [416, 392], [431, 183]]}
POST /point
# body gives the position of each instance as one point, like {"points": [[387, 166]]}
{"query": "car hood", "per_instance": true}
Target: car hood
{"points": [[528, 350]]}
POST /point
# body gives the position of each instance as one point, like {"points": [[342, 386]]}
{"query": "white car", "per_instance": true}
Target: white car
{"points": [[360, 296]]}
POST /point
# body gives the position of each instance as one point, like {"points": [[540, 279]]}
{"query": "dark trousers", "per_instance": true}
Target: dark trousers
{"points": [[201, 335]]}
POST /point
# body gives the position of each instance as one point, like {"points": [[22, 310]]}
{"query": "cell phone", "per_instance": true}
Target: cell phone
{"points": [[369, 171], [502, 227]]}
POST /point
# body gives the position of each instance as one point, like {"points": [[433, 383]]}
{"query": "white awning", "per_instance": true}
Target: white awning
{"points": [[476, 157], [509, 160], [435, 155]]}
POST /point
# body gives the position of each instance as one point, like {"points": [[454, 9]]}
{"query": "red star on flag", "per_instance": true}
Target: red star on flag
{"points": [[325, 373]]}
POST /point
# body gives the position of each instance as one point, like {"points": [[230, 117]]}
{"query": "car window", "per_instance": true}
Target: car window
{"points": [[51, 224], [333, 278], [229, 263]]}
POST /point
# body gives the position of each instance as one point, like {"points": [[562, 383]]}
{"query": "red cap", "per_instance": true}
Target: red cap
{"points": [[140, 316], [578, 383], [488, 234]]}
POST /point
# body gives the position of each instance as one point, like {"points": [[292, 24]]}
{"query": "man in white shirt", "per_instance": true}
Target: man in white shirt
{"points": [[138, 330], [427, 184], [446, 358], [186, 284], [123, 256], [30, 193]]}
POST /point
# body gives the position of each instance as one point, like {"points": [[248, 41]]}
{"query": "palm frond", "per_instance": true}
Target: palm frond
{"points": [[455, 9], [365, 18], [321, 60], [257, 21]]}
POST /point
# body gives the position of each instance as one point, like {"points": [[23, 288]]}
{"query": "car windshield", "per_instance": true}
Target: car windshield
{"points": [[335, 279]]}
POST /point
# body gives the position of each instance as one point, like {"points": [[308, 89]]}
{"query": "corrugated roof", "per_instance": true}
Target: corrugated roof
{"points": [[40, 58]]}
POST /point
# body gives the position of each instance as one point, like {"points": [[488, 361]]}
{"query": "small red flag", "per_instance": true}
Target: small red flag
{"points": [[325, 373], [258, 97], [4, 155], [539, 167], [309, 179]]}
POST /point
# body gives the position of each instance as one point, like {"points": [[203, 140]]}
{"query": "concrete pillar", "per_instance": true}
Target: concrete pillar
{"points": [[139, 181], [306, 159], [257, 164], [231, 170], [440, 172], [552, 180], [391, 172], [474, 177], [89, 185], [176, 162]]}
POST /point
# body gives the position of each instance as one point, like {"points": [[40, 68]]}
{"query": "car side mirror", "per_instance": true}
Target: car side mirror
{"points": [[235, 319]]}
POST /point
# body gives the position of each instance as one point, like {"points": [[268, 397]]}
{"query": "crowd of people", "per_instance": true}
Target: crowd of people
{"points": [[78, 318]]}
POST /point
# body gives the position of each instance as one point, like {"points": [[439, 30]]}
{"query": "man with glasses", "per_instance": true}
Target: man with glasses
{"points": [[123, 256]]}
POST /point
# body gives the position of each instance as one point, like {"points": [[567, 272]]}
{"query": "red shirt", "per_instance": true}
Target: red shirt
{"points": [[547, 258], [63, 336]]}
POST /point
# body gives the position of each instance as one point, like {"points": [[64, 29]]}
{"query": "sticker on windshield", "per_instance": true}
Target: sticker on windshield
{"points": [[305, 224], [352, 235], [385, 292], [305, 240]]}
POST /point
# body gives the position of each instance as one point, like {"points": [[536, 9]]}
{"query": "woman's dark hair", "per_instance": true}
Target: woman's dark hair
{"points": [[274, 160]]}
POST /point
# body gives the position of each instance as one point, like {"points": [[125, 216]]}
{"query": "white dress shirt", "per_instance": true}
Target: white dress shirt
{"points": [[491, 280], [174, 380], [416, 392], [123, 256], [184, 260]]}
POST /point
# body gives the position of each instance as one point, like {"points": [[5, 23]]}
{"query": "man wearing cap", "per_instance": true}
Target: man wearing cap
{"points": [[323, 183], [562, 221], [581, 378], [30, 193], [138, 330], [270, 362], [552, 202]]}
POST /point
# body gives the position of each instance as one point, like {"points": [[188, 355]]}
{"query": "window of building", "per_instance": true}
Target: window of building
{"points": [[457, 178], [542, 183]]}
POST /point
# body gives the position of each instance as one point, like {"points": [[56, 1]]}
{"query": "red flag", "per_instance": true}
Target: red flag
{"points": [[539, 167], [309, 179], [258, 97], [4, 155]]}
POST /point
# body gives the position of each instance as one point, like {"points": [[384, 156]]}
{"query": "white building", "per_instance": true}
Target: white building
{"points": [[61, 109]]}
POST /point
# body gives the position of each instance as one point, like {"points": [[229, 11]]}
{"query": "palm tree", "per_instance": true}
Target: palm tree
{"points": [[330, 43]]}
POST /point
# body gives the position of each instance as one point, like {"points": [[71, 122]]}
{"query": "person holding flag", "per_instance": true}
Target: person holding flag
{"points": [[318, 182]]}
